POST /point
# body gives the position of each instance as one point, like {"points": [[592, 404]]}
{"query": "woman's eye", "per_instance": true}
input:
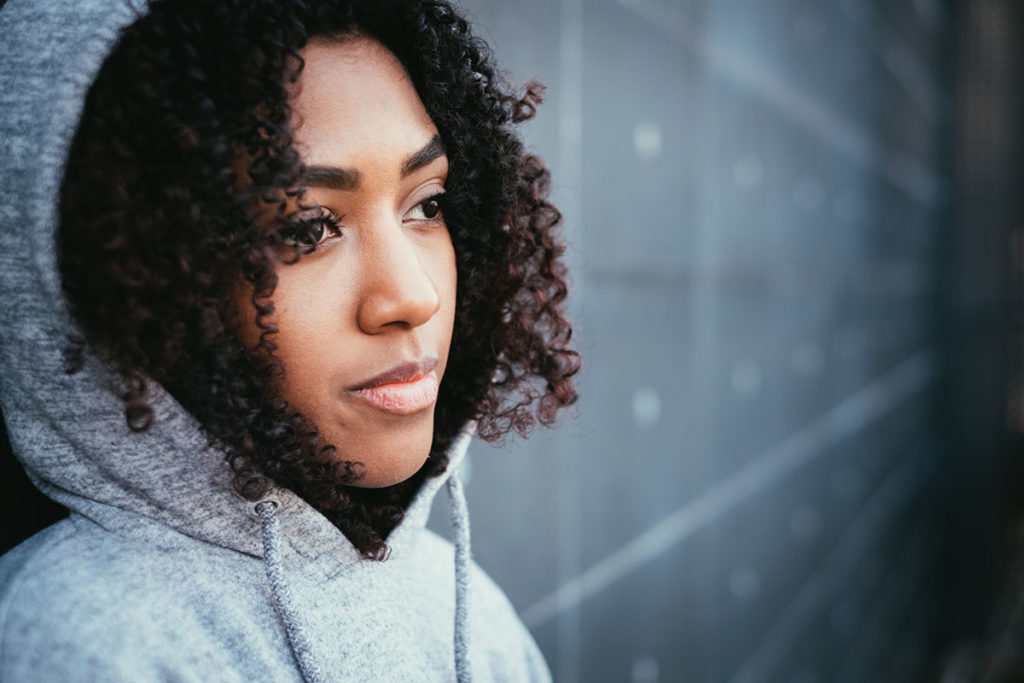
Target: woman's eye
{"points": [[427, 210], [307, 232]]}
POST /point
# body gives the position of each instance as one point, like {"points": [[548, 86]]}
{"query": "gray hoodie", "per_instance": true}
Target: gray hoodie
{"points": [[161, 572]]}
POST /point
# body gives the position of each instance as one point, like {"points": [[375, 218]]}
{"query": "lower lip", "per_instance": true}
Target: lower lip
{"points": [[404, 398]]}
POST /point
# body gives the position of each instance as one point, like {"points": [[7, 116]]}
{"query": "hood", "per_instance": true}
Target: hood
{"points": [[69, 431]]}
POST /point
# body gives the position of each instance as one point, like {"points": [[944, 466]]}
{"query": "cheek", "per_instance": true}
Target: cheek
{"points": [[446, 281], [310, 310]]}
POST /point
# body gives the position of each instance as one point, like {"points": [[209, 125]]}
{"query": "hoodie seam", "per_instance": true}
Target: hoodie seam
{"points": [[182, 542]]}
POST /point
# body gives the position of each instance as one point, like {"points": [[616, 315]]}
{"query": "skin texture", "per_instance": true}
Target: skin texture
{"points": [[378, 291]]}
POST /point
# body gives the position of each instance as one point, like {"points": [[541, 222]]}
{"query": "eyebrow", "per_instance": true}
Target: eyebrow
{"points": [[424, 157], [337, 178], [330, 177]]}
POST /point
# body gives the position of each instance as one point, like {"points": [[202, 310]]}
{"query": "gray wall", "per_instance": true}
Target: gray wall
{"points": [[757, 197]]}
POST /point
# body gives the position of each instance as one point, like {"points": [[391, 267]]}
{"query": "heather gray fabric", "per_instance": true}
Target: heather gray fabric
{"points": [[161, 572]]}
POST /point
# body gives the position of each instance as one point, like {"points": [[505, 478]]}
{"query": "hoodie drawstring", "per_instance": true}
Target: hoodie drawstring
{"points": [[460, 522], [310, 668]]}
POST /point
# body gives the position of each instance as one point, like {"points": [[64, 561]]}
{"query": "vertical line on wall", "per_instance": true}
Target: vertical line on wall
{"points": [[570, 161]]}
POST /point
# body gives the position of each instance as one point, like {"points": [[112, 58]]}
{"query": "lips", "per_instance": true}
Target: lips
{"points": [[405, 389]]}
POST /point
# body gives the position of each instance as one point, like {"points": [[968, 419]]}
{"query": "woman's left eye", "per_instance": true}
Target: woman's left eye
{"points": [[427, 210]]}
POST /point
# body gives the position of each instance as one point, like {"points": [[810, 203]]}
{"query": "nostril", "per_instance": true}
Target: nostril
{"points": [[405, 302]]}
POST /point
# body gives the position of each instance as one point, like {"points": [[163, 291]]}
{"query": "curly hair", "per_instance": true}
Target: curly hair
{"points": [[156, 231]]}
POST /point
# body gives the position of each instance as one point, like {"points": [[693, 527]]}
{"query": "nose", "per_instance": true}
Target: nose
{"points": [[397, 290]]}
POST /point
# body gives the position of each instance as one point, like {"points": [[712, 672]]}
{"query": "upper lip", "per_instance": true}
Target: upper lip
{"points": [[403, 372]]}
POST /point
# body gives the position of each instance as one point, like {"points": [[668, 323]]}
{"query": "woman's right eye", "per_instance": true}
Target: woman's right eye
{"points": [[308, 230]]}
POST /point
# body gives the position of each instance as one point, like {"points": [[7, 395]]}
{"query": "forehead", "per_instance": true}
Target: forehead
{"points": [[354, 96]]}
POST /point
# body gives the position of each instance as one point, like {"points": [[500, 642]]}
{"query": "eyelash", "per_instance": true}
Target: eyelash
{"points": [[309, 232]]}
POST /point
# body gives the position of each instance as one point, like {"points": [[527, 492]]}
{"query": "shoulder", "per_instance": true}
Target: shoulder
{"points": [[79, 603], [43, 599], [60, 605]]}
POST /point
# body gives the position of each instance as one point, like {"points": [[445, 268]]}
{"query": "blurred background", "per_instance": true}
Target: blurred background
{"points": [[797, 234]]}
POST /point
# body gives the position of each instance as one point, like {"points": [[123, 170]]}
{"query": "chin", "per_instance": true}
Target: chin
{"points": [[392, 462]]}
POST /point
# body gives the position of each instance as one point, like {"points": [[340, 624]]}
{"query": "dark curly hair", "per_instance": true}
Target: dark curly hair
{"points": [[157, 230]]}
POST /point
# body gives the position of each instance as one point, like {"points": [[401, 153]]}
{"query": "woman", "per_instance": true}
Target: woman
{"points": [[263, 263]]}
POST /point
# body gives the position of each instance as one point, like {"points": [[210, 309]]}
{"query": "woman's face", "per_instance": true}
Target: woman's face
{"points": [[365, 321]]}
